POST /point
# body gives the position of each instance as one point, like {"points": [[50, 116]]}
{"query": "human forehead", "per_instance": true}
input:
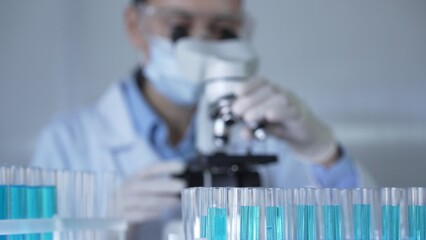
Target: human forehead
{"points": [[208, 6]]}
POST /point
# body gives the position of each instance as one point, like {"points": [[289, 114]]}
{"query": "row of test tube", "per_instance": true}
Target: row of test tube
{"points": [[34, 193], [304, 214]]}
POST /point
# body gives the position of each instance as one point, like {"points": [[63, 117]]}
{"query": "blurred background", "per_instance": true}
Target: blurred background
{"points": [[361, 65]]}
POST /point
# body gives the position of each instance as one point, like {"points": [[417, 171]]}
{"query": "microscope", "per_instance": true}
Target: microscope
{"points": [[224, 158]]}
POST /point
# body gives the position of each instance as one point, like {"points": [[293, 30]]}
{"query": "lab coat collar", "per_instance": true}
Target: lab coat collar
{"points": [[113, 111]]}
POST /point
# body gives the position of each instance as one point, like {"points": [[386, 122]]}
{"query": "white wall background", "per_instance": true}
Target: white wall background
{"points": [[361, 65]]}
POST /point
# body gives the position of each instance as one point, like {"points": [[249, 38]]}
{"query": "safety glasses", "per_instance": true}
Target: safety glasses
{"points": [[173, 23]]}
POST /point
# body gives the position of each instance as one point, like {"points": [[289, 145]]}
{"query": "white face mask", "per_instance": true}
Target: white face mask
{"points": [[164, 73], [179, 71]]}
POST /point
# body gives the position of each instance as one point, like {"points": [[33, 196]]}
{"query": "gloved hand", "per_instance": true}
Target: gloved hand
{"points": [[145, 195], [287, 118]]}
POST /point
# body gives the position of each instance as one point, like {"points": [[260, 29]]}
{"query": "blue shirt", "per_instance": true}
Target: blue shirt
{"points": [[151, 127]]}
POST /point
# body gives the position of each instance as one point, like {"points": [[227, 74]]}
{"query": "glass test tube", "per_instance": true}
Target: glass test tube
{"points": [[89, 190], [194, 212], [105, 198], [64, 191], [306, 213], [17, 197], [391, 199], [48, 198], [79, 197], [4, 195], [332, 214], [363, 204], [84, 199], [234, 218], [65, 198], [417, 213], [251, 213], [217, 214], [275, 213], [33, 197]]}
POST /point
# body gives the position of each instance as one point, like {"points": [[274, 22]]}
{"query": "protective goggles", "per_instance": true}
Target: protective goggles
{"points": [[174, 24]]}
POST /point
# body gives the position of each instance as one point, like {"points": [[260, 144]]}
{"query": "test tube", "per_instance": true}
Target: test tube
{"points": [[48, 198], [33, 198], [392, 200], [289, 212], [417, 213], [85, 185], [66, 205], [275, 214], [195, 211], [105, 198], [217, 214], [79, 196], [332, 214], [4, 193], [17, 197], [306, 213], [363, 205], [65, 193], [89, 191], [251, 214], [234, 219]]}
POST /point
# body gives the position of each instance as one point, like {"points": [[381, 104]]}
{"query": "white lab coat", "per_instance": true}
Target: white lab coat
{"points": [[102, 137]]}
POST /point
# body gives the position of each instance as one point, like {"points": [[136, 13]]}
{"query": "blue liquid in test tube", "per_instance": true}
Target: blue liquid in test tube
{"points": [[48, 206], [362, 221], [249, 223], [3, 205], [390, 223], [306, 229], [332, 222], [275, 223], [17, 206], [216, 222], [412, 222], [33, 207], [417, 222]]}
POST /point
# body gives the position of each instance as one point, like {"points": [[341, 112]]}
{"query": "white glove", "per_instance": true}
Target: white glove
{"points": [[144, 196], [287, 118]]}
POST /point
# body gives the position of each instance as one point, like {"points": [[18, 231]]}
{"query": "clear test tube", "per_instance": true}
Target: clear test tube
{"points": [[105, 196], [17, 197], [417, 213], [33, 197], [49, 199], [275, 213], [252, 216], [347, 217], [191, 213], [87, 207], [364, 204], [234, 217], [4, 193], [89, 192], [64, 194], [392, 200], [289, 211], [80, 201], [306, 213], [331, 227], [79, 196], [217, 214]]}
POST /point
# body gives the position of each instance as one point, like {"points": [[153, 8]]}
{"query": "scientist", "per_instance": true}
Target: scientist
{"points": [[143, 127]]}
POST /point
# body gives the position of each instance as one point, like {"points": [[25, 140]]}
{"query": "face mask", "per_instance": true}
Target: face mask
{"points": [[164, 73]]}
